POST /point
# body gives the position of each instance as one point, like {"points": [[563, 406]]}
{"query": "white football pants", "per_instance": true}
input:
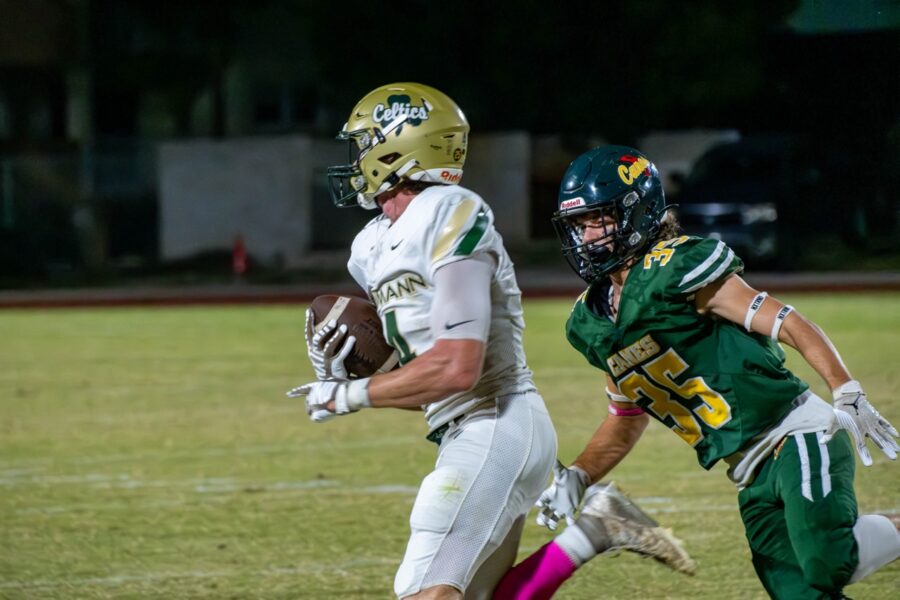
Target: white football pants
{"points": [[468, 515]]}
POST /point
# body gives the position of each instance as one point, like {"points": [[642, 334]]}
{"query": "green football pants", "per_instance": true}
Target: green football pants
{"points": [[799, 514]]}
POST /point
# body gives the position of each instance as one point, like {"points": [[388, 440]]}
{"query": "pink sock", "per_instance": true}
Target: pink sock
{"points": [[538, 576]]}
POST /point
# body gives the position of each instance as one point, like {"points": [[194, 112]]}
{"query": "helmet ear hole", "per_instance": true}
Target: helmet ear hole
{"points": [[389, 158]]}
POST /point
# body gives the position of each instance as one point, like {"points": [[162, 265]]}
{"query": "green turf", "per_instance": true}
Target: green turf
{"points": [[152, 453]]}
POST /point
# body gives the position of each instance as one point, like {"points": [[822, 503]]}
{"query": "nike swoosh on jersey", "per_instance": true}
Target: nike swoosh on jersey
{"points": [[394, 246], [449, 326]]}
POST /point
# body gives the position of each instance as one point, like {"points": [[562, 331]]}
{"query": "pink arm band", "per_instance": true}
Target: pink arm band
{"points": [[625, 412]]}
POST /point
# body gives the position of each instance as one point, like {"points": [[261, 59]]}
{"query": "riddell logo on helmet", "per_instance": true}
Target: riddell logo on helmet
{"points": [[573, 203], [400, 106], [634, 167], [450, 177]]}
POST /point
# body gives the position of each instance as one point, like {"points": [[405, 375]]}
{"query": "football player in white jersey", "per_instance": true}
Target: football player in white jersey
{"points": [[449, 303]]}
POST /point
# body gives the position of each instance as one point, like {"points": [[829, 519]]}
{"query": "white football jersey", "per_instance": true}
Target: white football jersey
{"points": [[396, 263]]}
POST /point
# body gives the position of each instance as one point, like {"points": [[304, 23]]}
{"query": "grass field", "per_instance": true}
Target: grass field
{"points": [[152, 454]]}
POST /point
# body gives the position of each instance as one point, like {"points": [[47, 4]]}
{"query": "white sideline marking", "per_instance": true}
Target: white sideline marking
{"points": [[654, 500], [116, 580], [18, 465], [219, 486], [213, 485]]}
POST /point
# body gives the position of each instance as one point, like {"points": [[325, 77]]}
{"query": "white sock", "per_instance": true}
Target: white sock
{"points": [[576, 545], [878, 542]]}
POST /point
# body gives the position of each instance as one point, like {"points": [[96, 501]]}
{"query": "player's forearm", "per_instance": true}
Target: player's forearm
{"points": [[450, 367], [612, 441], [811, 342]]}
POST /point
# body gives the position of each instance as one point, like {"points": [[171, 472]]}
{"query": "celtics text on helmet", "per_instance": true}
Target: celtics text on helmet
{"points": [[615, 181], [399, 131]]}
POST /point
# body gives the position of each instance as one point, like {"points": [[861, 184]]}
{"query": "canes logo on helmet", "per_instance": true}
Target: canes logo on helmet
{"points": [[633, 168], [619, 187], [399, 132], [400, 106]]}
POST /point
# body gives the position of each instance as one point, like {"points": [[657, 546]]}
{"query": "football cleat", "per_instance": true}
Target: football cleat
{"points": [[612, 522]]}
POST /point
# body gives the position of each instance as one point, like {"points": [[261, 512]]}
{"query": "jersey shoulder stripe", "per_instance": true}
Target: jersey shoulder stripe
{"points": [[702, 275], [476, 232], [454, 228], [459, 224], [706, 261]]}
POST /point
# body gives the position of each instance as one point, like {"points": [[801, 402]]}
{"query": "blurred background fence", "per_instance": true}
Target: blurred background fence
{"points": [[148, 139]]}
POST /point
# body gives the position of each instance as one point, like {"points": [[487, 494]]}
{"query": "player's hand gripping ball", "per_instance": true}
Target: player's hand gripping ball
{"points": [[371, 353]]}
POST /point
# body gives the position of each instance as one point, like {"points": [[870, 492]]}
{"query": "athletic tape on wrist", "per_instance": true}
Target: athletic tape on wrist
{"points": [[625, 412], [358, 394], [779, 320], [754, 308], [617, 397]]}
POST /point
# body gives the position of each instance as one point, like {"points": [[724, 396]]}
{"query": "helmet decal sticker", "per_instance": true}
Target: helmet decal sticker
{"points": [[572, 203], [637, 166], [400, 105], [451, 176]]}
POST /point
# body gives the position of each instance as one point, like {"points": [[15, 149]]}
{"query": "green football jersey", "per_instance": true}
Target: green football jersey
{"points": [[709, 380]]}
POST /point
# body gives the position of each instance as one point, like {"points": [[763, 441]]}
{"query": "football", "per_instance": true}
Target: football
{"points": [[371, 353]]}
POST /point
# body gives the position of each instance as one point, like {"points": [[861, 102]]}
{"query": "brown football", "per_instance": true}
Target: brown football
{"points": [[371, 353]]}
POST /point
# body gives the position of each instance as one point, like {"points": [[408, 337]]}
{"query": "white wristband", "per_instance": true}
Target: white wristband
{"points": [[754, 308], [352, 396], [779, 320], [618, 397], [358, 394]]}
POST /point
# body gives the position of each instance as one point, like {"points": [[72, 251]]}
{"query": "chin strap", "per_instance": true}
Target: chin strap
{"points": [[392, 179]]}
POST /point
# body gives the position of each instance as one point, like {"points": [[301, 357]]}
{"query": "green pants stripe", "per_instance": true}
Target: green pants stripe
{"points": [[810, 459], [799, 514]]}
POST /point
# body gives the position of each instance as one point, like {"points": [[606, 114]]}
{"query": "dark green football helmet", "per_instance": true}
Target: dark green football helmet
{"points": [[620, 185]]}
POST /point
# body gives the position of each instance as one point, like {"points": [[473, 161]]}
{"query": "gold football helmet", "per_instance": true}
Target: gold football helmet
{"points": [[399, 131]]}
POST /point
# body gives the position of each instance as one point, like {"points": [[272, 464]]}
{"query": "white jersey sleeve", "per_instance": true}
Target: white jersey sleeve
{"points": [[462, 300]]}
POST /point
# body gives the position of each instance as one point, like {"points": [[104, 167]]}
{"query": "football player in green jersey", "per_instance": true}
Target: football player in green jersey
{"points": [[682, 338]]}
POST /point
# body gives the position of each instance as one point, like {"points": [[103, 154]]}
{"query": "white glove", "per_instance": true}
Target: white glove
{"points": [[345, 396], [326, 353], [563, 497], [853, 412]]}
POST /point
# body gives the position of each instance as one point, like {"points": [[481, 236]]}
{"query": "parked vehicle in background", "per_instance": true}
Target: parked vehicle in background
{"points": [[736, 191]]}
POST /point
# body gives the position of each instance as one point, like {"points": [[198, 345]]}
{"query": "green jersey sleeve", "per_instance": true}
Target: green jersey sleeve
{"points": [[693, 263]]}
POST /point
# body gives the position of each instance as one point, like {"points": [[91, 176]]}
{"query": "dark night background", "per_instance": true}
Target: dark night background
{"points": [[89, 86]]}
